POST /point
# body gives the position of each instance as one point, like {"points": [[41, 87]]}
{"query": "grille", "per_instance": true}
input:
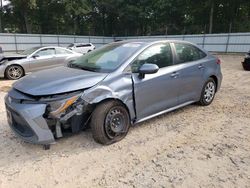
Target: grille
{"points": [[19, 124]]}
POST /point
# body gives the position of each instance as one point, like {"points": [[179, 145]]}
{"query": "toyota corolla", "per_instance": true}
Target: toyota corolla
{"points": [[112, 88]]}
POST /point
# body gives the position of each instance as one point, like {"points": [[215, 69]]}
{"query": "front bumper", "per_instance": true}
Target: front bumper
{"points": [[27, 122]]}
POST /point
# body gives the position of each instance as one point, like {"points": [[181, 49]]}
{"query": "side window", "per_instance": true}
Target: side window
{"points": [[46, 52], [83, 45], [62, 51], [187, 53], [159, 54]]}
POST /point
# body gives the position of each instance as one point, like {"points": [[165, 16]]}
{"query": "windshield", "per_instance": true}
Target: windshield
{"points": [[71, 45], [108, 58], [29, 51]]}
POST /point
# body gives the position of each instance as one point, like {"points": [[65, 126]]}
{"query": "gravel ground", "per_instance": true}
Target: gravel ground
{"points": [[190, 147]]}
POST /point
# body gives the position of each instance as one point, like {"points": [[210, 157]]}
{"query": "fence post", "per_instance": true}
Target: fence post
{"points": [[15, 43], [58, 42], [203, 41], [183, 37], [41, 42], [228, 38]]}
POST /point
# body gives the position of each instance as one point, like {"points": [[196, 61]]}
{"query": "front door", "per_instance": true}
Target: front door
{"points": [[155, 92], [43, 59]]}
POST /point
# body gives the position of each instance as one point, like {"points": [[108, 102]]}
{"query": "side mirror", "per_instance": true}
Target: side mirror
{"points": [[147, 69], [35, 56]]}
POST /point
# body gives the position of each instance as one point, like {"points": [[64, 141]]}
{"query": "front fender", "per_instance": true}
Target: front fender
{"points": [[118, 88]]}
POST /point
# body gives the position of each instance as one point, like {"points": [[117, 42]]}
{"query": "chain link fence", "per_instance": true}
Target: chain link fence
{"points": [[227, 42]]}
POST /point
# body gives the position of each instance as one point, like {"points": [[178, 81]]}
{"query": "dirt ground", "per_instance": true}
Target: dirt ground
{"points": [[190, 147]]}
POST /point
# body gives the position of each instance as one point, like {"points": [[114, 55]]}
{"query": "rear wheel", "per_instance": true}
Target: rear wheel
{"points": [[14, 72], [110, 122], [208, 92]]}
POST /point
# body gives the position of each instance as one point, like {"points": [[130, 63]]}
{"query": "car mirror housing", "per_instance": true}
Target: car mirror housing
{"points": [[35, 56], [147, 69]]}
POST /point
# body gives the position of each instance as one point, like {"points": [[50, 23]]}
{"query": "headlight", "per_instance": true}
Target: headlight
{"points": [[60, 106]]}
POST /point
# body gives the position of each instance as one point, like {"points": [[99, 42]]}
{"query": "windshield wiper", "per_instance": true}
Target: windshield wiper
{"points": [[82, 68]]}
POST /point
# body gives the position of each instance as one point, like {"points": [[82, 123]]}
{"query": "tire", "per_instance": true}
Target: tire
{"points": [[89, 51], [110, 122], [14, 72], [208, 92]]}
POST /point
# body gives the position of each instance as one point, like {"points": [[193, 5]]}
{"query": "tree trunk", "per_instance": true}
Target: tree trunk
{"points": [[27, 24], [211, 16]]}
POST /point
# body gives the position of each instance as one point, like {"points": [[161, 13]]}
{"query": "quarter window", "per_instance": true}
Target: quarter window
{"points": [[159, 54], [187, 53]]}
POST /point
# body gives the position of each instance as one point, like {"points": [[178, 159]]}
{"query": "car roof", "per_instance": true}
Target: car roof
{"points": [[151, 41]]}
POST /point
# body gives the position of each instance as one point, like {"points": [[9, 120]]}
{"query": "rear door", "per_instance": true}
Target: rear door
{"points": [[191, 61], [43, 59], [156, 92]]}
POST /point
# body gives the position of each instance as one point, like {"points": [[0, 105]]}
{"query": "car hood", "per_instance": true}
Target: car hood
{"points": [[11, 57], [57, 81]]}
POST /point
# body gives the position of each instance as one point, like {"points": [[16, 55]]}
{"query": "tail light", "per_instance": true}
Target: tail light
{"points": [[218, 61]]}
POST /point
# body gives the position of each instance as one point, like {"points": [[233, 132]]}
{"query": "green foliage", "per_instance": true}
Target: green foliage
{"points": [[126, 17]]}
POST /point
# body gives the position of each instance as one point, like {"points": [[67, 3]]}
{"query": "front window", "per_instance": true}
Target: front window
{"points": [[108, 58], [46, 52], [159, 54]]}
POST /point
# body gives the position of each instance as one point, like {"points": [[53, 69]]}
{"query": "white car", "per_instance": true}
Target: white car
{"points": [[82, 48]]}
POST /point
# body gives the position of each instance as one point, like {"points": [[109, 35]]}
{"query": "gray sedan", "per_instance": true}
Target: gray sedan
{"points": [[111, 88], [15, 66]]}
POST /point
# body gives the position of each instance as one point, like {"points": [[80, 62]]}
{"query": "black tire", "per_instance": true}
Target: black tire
{"points": [[110, 122], [14, 72], [204, 100], [89, 51]]}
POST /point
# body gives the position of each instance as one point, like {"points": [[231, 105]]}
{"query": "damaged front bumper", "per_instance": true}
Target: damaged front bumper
{"points": [[27, 121], [31, 123]]}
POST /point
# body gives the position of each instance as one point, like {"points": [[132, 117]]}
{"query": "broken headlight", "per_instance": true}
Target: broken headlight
{"points": [[56, 108]]}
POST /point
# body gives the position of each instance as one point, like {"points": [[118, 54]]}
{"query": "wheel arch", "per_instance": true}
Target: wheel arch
{"points": [[112, 99], [216, 81]]}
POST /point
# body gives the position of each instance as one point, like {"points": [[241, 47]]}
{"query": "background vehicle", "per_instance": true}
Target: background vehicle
{"points": [[120, 84], [246, 62], [82, 48], [15, 66]]}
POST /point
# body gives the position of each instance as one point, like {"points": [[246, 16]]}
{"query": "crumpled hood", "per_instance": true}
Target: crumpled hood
{"points": [[11, 56], [58, 80]]}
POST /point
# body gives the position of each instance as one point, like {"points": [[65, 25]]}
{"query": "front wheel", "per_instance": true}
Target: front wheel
{"points": [[14, 72], [208, 92], [110, 122]]}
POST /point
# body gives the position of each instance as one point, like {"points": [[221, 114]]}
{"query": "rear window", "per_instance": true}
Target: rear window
{"points": [[188, 53], [83, 45]]}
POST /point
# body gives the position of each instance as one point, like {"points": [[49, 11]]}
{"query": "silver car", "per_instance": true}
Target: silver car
{"points": [[111, 89], [15, 66]]}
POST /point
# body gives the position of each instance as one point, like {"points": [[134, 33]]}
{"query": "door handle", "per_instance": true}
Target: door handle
{"points": [[201, 66], [174, 74]]}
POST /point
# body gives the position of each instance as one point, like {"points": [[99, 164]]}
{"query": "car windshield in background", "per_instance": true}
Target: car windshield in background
{"points": [[71, 45], [108, 58], [29, 51]]}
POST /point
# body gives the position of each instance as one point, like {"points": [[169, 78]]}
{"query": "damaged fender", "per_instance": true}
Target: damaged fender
{"points": [[119, 87]]}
